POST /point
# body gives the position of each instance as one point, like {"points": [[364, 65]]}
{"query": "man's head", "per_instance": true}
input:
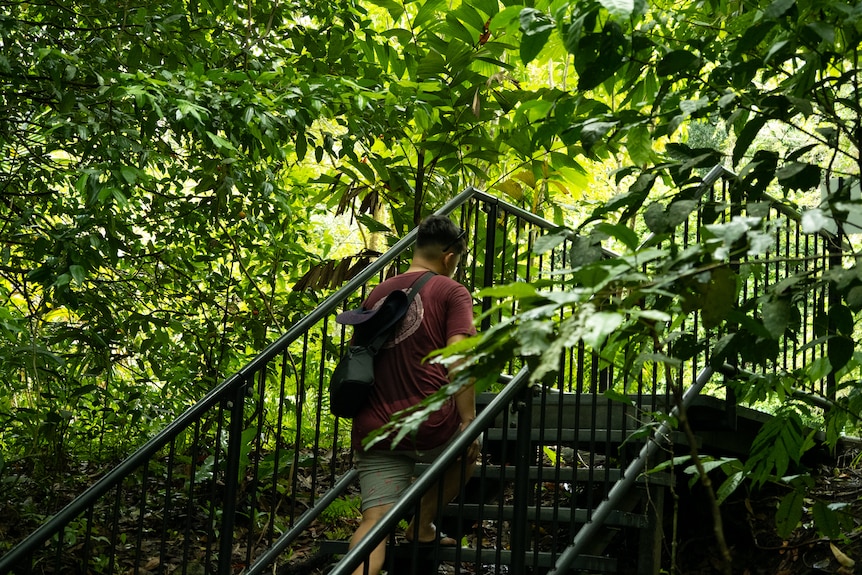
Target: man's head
{"points": [[440, 240]]}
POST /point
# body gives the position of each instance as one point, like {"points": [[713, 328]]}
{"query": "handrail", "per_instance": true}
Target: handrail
{"points": [[425, 481], [271, 554], [234, 386], [224, 390]]}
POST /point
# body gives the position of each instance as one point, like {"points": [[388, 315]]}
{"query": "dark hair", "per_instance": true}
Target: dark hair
{"points": [[440, 231]]}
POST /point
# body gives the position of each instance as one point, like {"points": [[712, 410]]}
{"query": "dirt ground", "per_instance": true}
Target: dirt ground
{"points": [[750, 530], [749, 527]]}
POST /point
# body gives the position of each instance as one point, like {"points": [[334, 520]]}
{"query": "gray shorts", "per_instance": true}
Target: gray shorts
{"points": [[385, 474]]}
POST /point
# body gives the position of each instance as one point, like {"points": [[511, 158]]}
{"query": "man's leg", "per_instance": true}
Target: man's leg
{"points": [[370, 517], [383, 477], [451, 484]]}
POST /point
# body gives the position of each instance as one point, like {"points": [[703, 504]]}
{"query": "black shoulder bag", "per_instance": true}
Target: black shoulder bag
{"points": [[353, 377]]}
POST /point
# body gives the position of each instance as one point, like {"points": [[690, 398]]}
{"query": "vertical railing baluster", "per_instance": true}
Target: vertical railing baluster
{"points": [[488, 268], [254, 462], [85, 559], [190, 503], [301, 392], [321, 390], [145, 474], [166, 510], [521, 489], [835, 256], [216, 466], [231, 481]]}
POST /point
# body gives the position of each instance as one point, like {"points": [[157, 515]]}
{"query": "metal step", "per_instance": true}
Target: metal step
{"points": [[536, 514], [581, 437], [563, 474], [428, 553]]}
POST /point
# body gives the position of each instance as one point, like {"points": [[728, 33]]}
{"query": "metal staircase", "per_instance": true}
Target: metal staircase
{"points": [[231, 484], [593, 488]]}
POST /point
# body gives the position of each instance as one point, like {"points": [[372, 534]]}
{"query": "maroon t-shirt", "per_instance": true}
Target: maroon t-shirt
{"points": [[402, 378]]}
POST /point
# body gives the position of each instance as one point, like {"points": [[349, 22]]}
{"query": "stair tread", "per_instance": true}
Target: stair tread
{"points": [[585, 437], [489, 556], [543, 514], [711, 411], [551, 474]]}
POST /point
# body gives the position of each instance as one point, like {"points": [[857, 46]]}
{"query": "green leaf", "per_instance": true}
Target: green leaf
{"points": [[746, 137], [839, 350], [81, 183], [395, 9], [675, 62], [719, 297], [729, 486], [655, 219], [372, 224], [722, 351], [675, 462], [516, 290], [799, 176], [708, 465], [130, 174], [469, 16], [690, 107], [584, 251], [598, 326], [789, 513], [639, 145], [619, 8], [826, 519], [841, 319], [825, 31], [679, 210], [221, 143], [427, 12], [505, 17], [777, 9], [593, 131], [752, 37], [536, 27], [455, 29], [619, 397], [549, 241], [533, 337], [489, 7], [599, 55], [776, 316], [776, 48], [301, 146], [621, 232], [854, 298], [77, 273]]}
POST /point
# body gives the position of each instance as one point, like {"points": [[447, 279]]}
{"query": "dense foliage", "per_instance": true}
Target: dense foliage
{"points": [[155, 205], [171, 169], [775, 85]]}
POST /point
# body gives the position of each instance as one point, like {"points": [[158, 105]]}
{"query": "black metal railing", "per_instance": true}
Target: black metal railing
{"points": [[595, 428], [222, 482], [228, 485]]}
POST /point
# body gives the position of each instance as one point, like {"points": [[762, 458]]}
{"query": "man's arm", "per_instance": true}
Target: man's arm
{"points": [[465, 399], [465, 402]]}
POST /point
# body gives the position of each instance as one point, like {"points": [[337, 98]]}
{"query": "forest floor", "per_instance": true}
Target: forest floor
{"points": [[755, 546], [749, 528], [748, 521]]}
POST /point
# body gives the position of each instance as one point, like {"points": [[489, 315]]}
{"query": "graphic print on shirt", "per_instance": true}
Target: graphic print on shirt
{"points": [[411, 322]]}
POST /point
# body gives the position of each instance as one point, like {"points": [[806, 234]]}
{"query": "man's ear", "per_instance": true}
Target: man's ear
{"points": [[450, 262]]}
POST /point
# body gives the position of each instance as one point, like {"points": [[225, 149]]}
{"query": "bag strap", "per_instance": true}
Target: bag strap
{"points": [[415, 287]]}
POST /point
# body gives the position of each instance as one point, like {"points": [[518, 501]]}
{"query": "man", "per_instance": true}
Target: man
{"points": [[440, 315]]}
